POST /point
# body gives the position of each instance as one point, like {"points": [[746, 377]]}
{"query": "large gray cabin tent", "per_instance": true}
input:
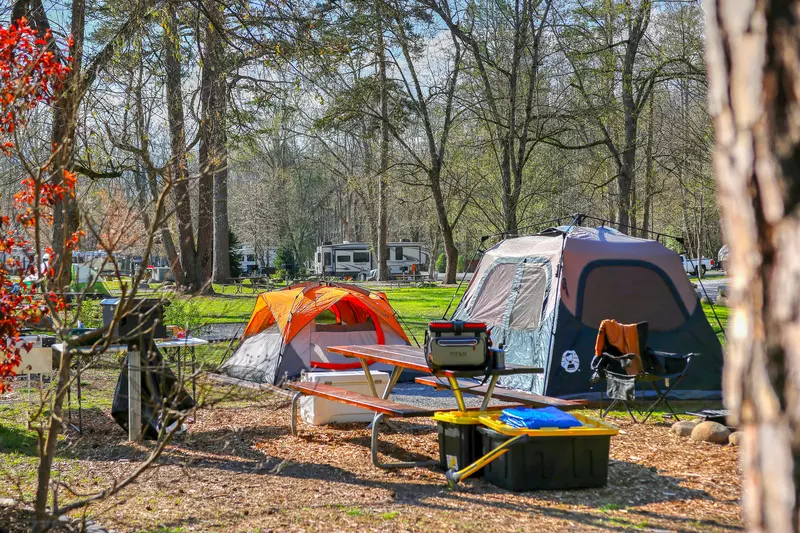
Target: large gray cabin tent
{"points": [[604, 274]]}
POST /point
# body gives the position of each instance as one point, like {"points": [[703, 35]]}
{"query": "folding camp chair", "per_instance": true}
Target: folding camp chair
{"points": [[623, 359]]}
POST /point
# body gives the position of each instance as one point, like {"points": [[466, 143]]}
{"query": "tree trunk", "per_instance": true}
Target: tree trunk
{"points": [[383, 267], [179, 166], [450, 250], [65, 211], [637, 25], [222, 264], [47, 449], [221, 247], [627, 173], [207, 158], [648, 173], [754, 83]]}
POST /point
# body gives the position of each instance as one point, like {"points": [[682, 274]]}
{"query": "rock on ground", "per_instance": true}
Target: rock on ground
{"points": [[683, 428], [736, 438], [711, 432], [722, 301]]}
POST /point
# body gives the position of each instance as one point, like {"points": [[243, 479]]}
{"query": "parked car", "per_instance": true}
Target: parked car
{"points": [[690, 265]]}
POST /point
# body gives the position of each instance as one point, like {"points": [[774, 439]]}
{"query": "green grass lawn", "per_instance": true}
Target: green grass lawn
{"points": [[416, 306]]}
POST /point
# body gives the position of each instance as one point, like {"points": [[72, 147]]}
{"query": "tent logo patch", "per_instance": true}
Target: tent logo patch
{"points": [[570, 361], [452, 462]]}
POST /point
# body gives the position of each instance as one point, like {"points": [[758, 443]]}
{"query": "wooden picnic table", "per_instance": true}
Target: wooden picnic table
{"points": [[403, 357], [255, 282]]}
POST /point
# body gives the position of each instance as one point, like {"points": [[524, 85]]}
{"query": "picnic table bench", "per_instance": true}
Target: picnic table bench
{"points": [[381, 406], [507, 395], [400, 357]]}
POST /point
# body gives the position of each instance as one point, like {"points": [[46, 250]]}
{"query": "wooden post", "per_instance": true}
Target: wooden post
{"points": [[134, 394]]}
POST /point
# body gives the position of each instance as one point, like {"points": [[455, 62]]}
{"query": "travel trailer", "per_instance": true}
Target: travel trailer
{"points": [[355, 260]]}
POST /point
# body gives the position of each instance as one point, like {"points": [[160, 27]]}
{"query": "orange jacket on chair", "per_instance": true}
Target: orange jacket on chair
{"points": [[623, 337]]}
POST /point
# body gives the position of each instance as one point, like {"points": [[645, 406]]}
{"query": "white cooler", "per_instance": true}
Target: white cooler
{"points": [[319, 411]]}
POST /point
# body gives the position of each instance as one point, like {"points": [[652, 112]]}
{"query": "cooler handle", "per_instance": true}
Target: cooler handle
{"points": [[457, 342]]}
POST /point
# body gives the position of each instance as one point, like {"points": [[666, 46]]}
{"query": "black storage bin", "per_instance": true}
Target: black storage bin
{"points": [[459, 441], [146, 319], [547, 462]]}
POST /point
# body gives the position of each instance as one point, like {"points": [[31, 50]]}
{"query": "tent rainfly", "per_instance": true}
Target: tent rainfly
{"points": [[545, 295], [290, 330]]}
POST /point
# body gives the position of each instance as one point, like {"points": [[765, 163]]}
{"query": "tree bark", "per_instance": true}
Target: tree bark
{"points": [[47, 448], [648, 173], [207, 157], [179, 166], [754, 83], [221, 271], [65, 212], [383, 218], [637, 26]]}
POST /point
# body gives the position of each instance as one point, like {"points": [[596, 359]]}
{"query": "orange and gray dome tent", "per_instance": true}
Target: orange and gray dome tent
{"points": [[287, 334]]}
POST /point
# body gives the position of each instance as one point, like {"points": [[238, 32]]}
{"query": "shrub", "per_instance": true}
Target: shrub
{"points": [[184, 313], [460, 264], [441, 264]]}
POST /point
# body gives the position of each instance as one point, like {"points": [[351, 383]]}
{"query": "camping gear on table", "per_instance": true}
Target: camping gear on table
{"points": [[319, 411], [528, 459], [291, 329], [457, 345], [545, 417], [162, 395], [544, 297], [623, 359]]}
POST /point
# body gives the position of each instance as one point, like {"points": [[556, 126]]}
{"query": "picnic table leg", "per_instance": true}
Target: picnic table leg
{"points": [[396, 371], [295, 401], [457, 393], [489, 392], [368, 374], [379, 417], [194, 374]]}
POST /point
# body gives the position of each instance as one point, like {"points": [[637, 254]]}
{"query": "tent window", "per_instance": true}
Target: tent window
{"points": [[630, 294], [326, 317], [342, 258], [361, 257], [327, 259], [490, 305], [528, 306]]}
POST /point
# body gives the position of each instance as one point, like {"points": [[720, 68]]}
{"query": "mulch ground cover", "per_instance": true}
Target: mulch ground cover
{"points": [[239, 469]]}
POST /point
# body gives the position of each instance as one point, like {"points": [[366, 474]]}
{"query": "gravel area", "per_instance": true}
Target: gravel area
{"points": [[220, 331], [427, 397], [711, 284]]}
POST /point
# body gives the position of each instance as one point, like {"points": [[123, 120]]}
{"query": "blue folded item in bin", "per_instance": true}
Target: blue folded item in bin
{"points": [[546, 417]]}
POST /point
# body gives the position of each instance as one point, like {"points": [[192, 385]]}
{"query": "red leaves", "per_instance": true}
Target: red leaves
{"points": [[30, 74]]}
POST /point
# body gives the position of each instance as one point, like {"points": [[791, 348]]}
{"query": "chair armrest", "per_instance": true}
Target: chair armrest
{"points": [[669, 355], [619, 357]]}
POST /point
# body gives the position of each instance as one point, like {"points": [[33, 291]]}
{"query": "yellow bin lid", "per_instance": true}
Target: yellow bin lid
{"points": [[590, 428], [468, 418]]}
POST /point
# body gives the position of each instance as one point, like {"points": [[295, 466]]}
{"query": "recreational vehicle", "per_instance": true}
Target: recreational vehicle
{"points": [[355, 259]]}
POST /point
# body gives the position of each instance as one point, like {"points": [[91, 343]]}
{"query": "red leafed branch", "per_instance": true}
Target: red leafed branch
{"points": [[30, 75]]}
